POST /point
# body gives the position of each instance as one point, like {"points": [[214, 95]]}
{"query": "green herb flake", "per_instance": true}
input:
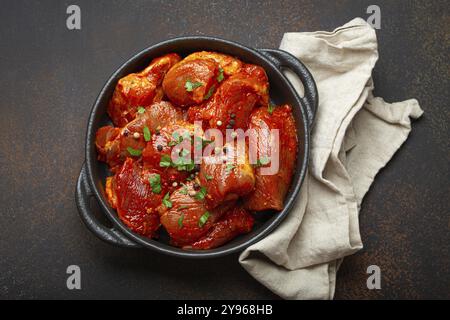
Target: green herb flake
{"points": [[201, 142], [187, 136], [229, 168], [184, 191], [155, 183], [190, 166], [134, 152], [166, 200], [220, 76], [147, 134], [183, 164], [176, 135], [190, 86], [270, 108], [210, 93], [203, 219], [141, 110], [184, 153], [201, 194], [177, 139], [262, 161], [180, 221], [205, 142], [208, 177], [183, 206], [165, 161], [179, 161]]}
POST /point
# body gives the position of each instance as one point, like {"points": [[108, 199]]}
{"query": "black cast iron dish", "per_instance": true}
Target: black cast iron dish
{"points": [[91, 180]]}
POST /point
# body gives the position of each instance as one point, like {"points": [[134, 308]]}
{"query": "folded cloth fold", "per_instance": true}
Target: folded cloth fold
{"points": [[355, 134]]}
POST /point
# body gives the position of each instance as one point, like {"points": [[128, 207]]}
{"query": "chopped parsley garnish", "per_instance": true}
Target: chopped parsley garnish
{"points": [[134, 152], [262, 161], [210, 93], [165, 161], [141, 110], [147, 134], [190, 86], [201, 142], [203, 219], [220, 76], [182, 163], [270, 108], [180, 221], [205, 142], [208, 177], [229, 168], [201, 194], [190, 166], [183, 206], [184, 153], [178, 139], [166, 200], [184, 190], [187, 136], [155, 183]]}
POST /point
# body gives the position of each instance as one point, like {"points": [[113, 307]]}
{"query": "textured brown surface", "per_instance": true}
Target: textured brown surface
{"points": [[51, 76]]}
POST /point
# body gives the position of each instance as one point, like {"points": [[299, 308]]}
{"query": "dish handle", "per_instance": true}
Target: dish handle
{"points": [[83, 197], [283, 59]]}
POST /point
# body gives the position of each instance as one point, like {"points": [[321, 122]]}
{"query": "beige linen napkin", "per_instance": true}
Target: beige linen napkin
{"points": [[354, 136]]}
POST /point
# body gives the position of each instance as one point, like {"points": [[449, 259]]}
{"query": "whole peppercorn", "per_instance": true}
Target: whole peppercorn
{"points": [[159, 147], [196, 186], [232, 122]]}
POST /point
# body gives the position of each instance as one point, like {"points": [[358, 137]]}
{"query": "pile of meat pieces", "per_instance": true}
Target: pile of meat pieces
{"points": [[201, 206]]}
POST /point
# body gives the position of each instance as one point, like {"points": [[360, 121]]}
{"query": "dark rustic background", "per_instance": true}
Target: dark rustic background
{"points": [[50, 77]]}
